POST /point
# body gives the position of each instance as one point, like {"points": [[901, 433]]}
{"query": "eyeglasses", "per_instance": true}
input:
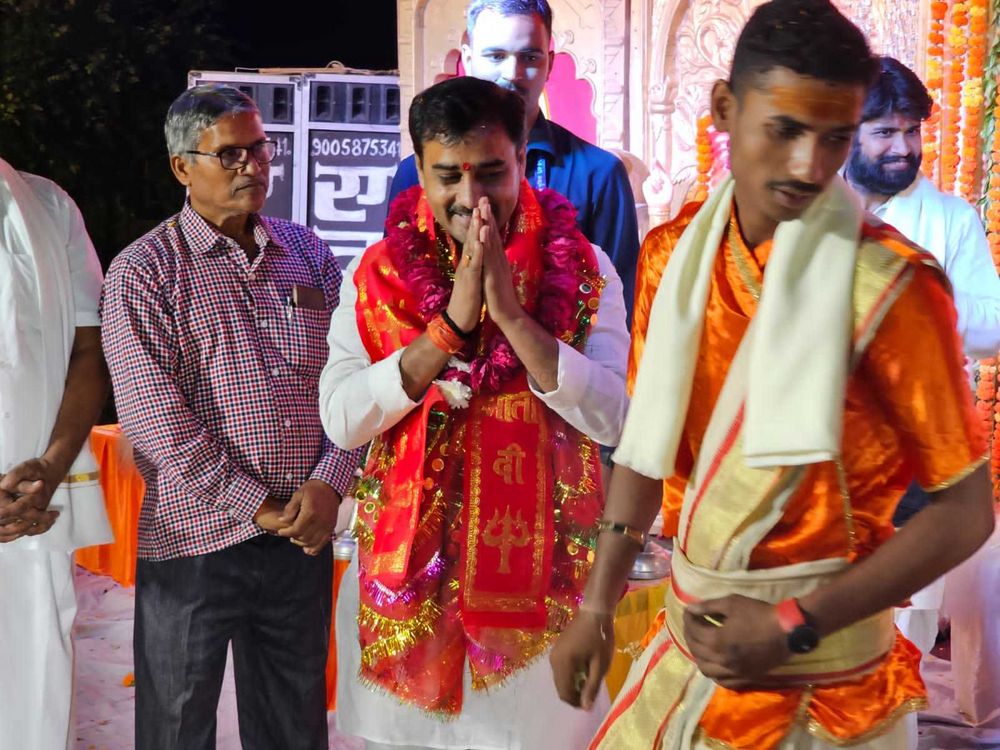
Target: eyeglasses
{"points": [[236, 157]]}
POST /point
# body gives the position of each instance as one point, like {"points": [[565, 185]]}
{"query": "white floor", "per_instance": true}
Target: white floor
{"points": [[941, 725], [105, 706]]}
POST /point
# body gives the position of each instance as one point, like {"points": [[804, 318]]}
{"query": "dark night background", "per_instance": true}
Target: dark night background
{"points": [[85, 85]]}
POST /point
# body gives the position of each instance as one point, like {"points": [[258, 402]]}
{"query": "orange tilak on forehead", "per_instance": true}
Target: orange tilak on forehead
{"points": [[816, 101]]}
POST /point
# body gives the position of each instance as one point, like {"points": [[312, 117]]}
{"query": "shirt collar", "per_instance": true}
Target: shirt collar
{"points": [[202, 237], [540, 137], [902, 195]]}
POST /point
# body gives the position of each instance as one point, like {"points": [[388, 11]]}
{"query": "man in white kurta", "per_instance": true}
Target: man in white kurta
{"points": [[53, 384], [950, 229], [884, 169], [471, 167]]}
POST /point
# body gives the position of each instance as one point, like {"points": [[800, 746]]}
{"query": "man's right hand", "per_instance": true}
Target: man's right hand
{"points": [[581, 656], [23, 506], [466, 304], [268, 516]]}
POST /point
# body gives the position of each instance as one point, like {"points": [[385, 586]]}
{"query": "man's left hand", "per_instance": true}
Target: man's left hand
{"points": [[498, 281], [739, 654], [26, 491], [312, 512]]}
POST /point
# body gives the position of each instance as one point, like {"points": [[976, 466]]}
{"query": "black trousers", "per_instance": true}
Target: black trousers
{"points": [[272, 602]]}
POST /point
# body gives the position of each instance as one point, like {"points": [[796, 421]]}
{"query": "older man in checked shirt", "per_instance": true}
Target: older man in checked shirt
{"points": [[215, 328]]}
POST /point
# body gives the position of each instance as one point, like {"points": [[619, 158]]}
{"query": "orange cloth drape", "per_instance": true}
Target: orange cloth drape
{"points": [[123, 488]]}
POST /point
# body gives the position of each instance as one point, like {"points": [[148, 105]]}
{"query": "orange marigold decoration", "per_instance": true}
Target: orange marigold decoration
{"points": [[955, 46], [987, 405], [703, 148], [993, 189], [972, 100], [987, 409], [935, 82], [991, 141]]}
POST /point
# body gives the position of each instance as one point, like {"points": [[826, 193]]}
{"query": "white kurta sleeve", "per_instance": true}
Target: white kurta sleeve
{"points": [[358, 400], [85, 273], [590, 394], [84, 268], [976, 284]]}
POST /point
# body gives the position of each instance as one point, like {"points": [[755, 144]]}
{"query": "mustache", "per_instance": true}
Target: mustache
{"points": [[794, 186], [909, 159], [459, 211]]}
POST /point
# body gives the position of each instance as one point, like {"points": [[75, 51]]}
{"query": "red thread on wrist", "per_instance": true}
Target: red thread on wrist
{"points": [[443, 337]]}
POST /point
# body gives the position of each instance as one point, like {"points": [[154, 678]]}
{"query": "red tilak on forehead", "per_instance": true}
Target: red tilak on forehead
{"points": [[466, 166]]}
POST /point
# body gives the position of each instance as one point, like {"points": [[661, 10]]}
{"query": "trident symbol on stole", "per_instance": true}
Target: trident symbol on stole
{"points": [[505, 533]]}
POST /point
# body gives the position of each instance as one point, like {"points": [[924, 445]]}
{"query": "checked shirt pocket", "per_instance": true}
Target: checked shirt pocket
{"points": [[307, 348]]}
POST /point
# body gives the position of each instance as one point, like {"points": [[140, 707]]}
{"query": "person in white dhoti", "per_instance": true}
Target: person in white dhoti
{"points": [[53, 384], [884, 170]]}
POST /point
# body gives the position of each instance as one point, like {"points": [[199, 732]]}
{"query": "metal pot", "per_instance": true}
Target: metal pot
{"points": [[653, 562]]}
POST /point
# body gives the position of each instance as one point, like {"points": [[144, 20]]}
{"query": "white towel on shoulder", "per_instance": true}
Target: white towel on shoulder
{"points": [[798, 365]]}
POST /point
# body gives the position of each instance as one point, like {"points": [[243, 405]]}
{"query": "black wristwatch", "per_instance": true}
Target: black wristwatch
{"points": [[798, 626]]}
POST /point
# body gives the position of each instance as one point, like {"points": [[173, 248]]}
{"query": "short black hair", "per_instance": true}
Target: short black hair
{"points": [[808, 37], [538, 8], [897, 89], [448, 110]]}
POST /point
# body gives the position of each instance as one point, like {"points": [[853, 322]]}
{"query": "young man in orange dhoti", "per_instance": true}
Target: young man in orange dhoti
{"points": [[783, 397], [482, 346]]}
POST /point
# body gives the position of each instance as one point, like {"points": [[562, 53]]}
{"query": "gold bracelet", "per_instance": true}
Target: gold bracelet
{"points": [[631, 532]]}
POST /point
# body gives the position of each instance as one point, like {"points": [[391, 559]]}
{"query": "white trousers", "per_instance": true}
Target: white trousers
{"points": [[524, 713], [37, 608]]}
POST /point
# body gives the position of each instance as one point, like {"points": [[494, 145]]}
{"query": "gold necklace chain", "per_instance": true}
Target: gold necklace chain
{"points": [[751, 283]]}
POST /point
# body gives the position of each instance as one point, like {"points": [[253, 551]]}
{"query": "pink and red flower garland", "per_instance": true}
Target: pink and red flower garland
{"points": [[417, 259]]}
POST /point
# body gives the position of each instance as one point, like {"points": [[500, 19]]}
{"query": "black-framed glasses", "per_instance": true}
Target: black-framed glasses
{"points": [[236, 157]]}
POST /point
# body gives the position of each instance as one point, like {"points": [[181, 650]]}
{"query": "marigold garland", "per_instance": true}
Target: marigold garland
{"points": [[991, 141], [986, 409], [992, 203], [955, 46], [935, 82], [703, 151], [972, 100], [987, 405]]}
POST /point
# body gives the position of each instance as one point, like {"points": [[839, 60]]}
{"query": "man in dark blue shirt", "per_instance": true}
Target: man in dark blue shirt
{"points": [[509, 45]]}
